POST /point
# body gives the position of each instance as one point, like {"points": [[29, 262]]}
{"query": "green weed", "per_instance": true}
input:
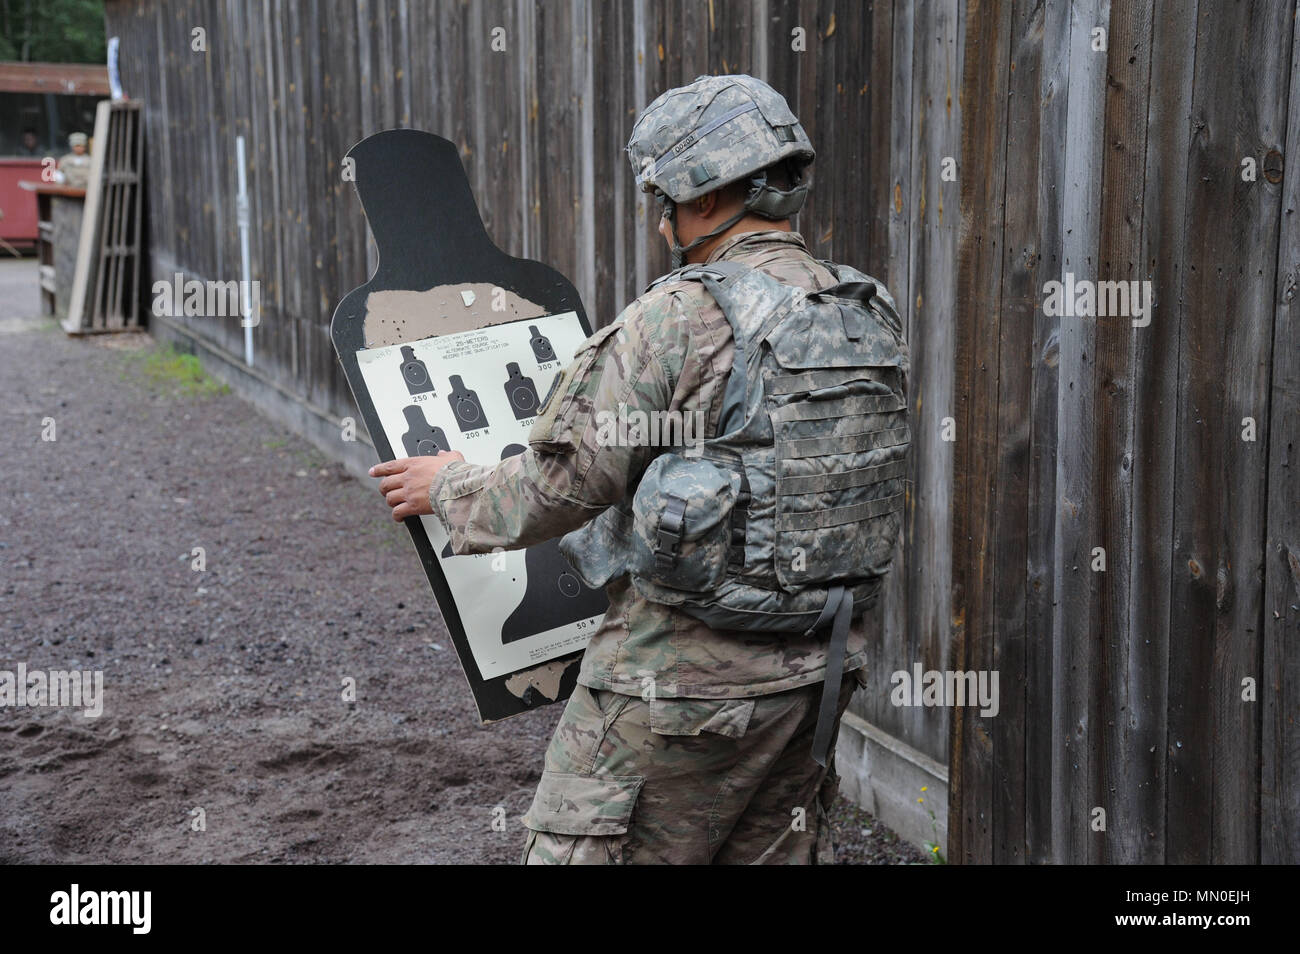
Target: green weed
{"points": [[172, 371]]}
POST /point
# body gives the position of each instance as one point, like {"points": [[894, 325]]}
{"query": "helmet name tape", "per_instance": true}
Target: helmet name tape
{"points": [[703, 131]]}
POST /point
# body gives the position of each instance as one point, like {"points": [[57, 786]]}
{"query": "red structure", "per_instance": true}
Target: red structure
{"points": [[36, 83]]}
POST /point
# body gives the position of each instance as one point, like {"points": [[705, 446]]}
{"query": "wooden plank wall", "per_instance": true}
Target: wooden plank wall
{"points": [[1123, 689], [542, 126]]}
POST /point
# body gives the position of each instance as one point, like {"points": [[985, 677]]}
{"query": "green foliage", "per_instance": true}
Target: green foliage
{"points": [[933, 849], [173, 372], [53, 31]]}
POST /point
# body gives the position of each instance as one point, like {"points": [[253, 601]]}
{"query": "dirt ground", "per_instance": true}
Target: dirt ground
{"points": [[223, 687]]}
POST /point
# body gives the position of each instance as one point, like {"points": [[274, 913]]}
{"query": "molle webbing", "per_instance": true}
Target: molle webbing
{"points": [[812, 380], [845, 444], [840, 479], [820, 411], [822, 519]]}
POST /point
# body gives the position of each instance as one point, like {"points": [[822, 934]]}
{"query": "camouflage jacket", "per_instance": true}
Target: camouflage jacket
{"points": [[670, 350]]}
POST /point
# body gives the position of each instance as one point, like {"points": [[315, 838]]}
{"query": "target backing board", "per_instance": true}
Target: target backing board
{"points": [[454, 345]]}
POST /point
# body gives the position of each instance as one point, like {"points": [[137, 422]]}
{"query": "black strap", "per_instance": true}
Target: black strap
{"points": [[861, 292], [840, 601], [669, 537], [828, 610], [739, 524]]}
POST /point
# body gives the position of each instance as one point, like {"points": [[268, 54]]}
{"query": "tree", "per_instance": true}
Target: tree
{"points": [[53, 31]]}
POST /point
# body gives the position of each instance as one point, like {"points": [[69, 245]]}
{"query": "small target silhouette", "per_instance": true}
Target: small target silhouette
{"points": [[542, 349], [521, 393], [414, 372], [422, 439], [465, 406]]}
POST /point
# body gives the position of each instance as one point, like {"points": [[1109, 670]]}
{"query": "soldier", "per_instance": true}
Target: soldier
{"points": [[691, 738], [75, 166]]}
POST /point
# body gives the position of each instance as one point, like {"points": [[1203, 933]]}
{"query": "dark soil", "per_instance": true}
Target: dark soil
{"points": [[223, 687]]}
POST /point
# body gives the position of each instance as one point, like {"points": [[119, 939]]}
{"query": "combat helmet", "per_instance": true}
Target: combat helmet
{"points": [[718, 130]]}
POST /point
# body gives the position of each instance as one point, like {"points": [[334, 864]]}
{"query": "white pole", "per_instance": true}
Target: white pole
{"points": [[241, 212]]}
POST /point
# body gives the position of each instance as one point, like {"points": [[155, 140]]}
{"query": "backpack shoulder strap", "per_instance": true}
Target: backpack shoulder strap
{"points": [[719, 271]]}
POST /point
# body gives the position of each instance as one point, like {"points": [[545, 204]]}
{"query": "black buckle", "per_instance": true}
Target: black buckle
{"points": [[669, 535]]}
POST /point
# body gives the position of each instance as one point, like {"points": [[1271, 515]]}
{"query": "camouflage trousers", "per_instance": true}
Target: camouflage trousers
{"points": [[684, 781]]}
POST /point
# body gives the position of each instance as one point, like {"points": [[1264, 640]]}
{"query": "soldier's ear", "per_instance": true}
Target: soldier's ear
{"points": [[706, 203]]}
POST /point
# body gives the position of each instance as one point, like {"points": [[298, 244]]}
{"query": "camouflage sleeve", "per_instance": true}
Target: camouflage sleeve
{"points": [[574, 466]]}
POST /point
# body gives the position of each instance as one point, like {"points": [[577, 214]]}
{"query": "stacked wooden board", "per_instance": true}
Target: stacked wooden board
{"points": [[106, 287]]}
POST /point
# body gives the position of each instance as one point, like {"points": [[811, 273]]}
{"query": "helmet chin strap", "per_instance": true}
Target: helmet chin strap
{"points": [[677, 249]]}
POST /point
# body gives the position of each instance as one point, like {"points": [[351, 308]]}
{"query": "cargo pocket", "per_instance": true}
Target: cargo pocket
{"points": [[580, 819], [729, 717]]}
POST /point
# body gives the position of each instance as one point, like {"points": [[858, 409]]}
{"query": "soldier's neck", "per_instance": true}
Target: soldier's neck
{"points": [[750, 223]]}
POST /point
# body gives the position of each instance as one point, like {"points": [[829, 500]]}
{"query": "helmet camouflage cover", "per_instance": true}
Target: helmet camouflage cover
{"points": [[719, 129]]}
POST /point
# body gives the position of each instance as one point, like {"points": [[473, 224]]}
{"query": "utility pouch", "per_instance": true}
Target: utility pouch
{"points": [[681, 523]]}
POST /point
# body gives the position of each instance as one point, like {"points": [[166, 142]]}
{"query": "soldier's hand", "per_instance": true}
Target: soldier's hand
{"points": [[406, 482]]}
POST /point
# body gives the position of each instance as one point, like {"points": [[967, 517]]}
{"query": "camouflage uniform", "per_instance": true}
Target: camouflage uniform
{"points": [[76, 168], [715, 767]]}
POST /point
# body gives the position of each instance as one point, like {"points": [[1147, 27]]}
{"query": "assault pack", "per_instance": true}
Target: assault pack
{"points": [[786, 520]]}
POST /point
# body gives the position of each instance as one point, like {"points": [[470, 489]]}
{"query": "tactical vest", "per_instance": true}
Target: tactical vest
{"points": [[786, 519]]}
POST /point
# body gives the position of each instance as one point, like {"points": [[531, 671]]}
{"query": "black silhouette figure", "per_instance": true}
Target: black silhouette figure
{"points": [[542, 349], [414, 373], [554, 596], [421, 438], [464, 405], [521, 393]]}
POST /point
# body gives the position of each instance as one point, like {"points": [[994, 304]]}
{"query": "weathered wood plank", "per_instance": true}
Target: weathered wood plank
{"points": [[1044, 255], [1155, 393], [979, 309], [1119, 260], [1220, 481], [1010, 545], [1279, 682]]}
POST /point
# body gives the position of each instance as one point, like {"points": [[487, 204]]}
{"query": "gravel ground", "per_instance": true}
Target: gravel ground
{"points": [[223, 687]]}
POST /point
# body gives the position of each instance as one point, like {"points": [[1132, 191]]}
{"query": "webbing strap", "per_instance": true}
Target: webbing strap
{"points": [[828, 610], [774, 318], [823, 410], [811, 380], [840, 479], [669, 537], [844, 444], [740, 524], [722, 271], [823, 735], [744, 363], [823, 519]]}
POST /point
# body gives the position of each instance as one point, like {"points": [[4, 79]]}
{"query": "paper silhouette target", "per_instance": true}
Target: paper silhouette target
{"points": [[421, 438], [426, 344], [541, 346], [465, 407], [414, 373], [521, 393]]}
